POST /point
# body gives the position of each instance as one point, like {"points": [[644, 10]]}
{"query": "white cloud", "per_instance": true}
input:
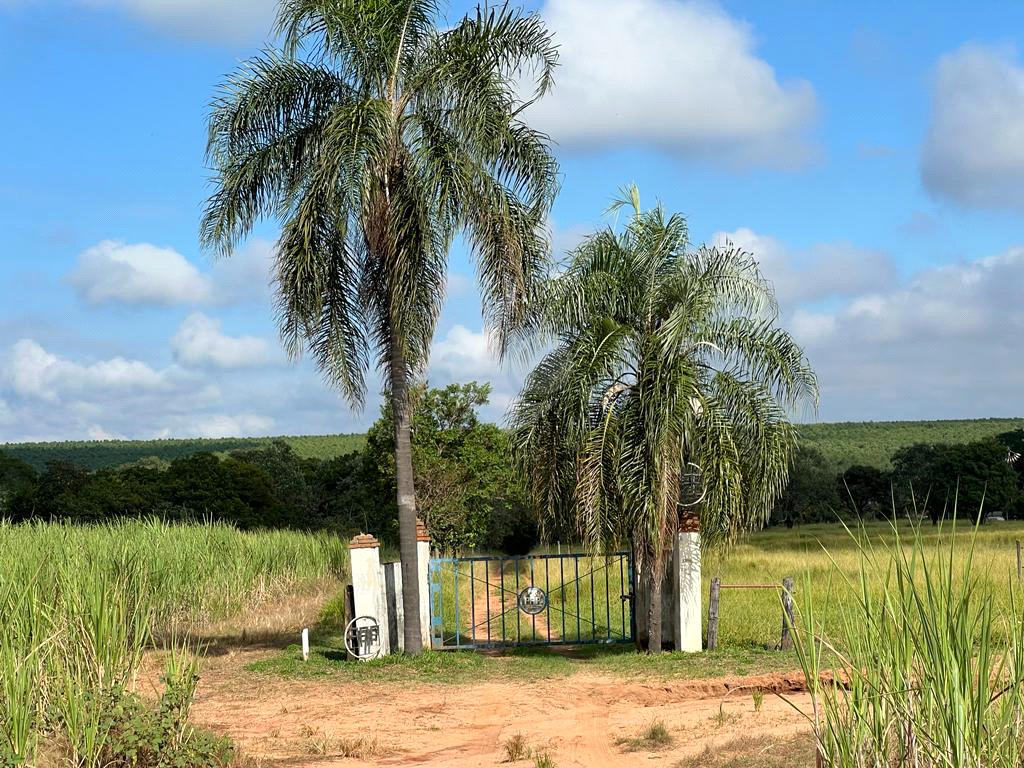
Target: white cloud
{"points": [[213, 20], [48, 396], [459, 286], [142, 274], [974, 152], [565, 238], [812, 326], [34, 372], [96, 432], [464, 354], [221, 425], [675, 75], [943, 344], [137, 274], [246, 275], [821, 271], [200, 341]]}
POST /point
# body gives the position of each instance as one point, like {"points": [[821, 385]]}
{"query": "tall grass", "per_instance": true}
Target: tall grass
{"points": [[928, 661], [79, 605]]}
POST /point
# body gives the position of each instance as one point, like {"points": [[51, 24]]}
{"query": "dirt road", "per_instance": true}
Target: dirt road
{"points": [[578, 720]]}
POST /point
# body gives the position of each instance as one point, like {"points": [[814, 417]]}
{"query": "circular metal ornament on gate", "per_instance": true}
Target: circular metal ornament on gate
{"points": [[533, 600], [362, 637], [692, 489]]}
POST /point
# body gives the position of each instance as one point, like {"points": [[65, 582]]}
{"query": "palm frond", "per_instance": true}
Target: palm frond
{"points": [[663, 356]]}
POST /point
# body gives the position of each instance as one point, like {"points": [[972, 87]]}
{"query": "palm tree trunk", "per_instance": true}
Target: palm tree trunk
{"points": [[654, 609], [401, 410]]}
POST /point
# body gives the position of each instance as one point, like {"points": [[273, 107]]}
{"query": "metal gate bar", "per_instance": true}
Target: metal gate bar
{"points": [[451, 578]]}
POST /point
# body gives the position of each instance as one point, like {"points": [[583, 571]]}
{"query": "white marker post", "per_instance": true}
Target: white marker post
{"points": [[305, 644]]}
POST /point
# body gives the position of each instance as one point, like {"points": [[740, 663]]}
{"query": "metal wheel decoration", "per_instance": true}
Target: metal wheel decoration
{"points": [[362, 637], [691, 485], [533, 600]]}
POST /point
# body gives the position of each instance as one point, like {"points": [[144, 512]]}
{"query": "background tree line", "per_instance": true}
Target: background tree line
{"points": [[468, 497], [468, 492]]}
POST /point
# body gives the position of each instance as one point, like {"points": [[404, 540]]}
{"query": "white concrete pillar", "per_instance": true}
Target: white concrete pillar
{"points": [[423, 563], [687, 619], [368, 592]]}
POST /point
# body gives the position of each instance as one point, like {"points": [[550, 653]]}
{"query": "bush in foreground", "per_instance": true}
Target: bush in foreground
{"points": [[929, 669]]}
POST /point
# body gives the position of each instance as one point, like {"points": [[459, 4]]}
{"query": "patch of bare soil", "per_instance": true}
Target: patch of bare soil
{"points": [[578, 720]]}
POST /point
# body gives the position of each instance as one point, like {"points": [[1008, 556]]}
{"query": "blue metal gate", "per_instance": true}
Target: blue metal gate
{"points": [[493, 602]]}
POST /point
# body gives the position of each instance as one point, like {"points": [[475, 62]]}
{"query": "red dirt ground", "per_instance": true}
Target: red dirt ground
{"points": [[578, 719]]}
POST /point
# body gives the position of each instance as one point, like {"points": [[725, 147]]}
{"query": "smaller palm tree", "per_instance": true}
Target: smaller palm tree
{"points": [[661, 360]]}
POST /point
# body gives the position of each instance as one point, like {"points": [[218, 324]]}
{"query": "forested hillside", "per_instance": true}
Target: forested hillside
{"points": [[468, 491], [104, 454], [872, 443]]}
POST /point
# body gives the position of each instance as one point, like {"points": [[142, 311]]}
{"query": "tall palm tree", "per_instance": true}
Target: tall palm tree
{"points": [[660, 358], [375, 134]]}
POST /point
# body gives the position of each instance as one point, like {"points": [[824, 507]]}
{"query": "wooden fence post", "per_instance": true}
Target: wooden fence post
{"points": [[1018, 561], [716, 591], [786, 644]]}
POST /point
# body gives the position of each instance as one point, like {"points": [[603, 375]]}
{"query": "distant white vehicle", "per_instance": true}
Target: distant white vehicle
{"points": [[995, 517]]}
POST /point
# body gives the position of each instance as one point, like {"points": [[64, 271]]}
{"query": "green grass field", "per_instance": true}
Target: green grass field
{"points": [[821, 557], [79, 606], [824, 561]]}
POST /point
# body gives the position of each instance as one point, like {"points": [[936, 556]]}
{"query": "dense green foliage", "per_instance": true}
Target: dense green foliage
{"points": [[842, 444], [926, 479], [343, 482], [106, 454], [466, 490]]}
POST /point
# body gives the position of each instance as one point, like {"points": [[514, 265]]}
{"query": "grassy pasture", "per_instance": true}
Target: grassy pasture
{"points": [[818, 557], [821, 557], [79, 605], [873, 442]]}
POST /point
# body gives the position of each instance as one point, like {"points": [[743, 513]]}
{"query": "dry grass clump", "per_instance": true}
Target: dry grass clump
{"points": [[755, 752], [653, 738], [313, 741], [515, 748]]}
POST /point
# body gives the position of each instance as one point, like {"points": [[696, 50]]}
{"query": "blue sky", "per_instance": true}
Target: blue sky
{"points": [[869, 155]]}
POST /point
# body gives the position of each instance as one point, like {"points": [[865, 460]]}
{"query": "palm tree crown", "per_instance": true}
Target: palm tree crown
{"points": [[374, 135], [659, 357]]}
